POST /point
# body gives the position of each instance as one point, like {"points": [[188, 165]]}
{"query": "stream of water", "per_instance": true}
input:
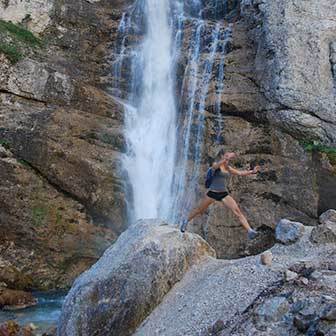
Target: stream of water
{"points": [[44, 315]]}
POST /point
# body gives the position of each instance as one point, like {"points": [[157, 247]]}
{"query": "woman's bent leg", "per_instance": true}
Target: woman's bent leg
{"points": [[204, 204], [229, 202]]}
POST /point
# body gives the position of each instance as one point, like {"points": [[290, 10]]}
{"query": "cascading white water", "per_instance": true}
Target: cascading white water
{"points": [[151, 127], [226, 38], [165, 148], [122, 29]]}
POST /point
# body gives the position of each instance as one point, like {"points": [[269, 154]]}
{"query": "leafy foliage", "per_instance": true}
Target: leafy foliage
{"points": [[315, 146]]}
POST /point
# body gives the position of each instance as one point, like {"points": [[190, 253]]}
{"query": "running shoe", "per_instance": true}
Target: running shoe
{"points": [[183, 226], [252, 234]]}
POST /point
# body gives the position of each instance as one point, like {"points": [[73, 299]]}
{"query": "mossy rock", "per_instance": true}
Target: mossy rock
{"points": [[15, 41], [19, 33]]}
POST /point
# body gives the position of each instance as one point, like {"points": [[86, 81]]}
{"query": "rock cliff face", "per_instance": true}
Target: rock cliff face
{"points": [[62, 197], [61, 134], [278, 94]]}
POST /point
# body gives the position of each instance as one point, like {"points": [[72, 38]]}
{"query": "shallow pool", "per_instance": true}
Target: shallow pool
{"points": [[44, 315]]}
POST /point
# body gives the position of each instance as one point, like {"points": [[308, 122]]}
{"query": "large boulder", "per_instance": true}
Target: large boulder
{"points": [[273, 309], [326, 231], [287, 232], [130, 280], [328, 217]]}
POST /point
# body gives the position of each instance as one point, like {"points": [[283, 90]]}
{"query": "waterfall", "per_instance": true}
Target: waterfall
{"points": [[165, 121], [150, 128], [122, 33], [182, 163], [225, 40]]}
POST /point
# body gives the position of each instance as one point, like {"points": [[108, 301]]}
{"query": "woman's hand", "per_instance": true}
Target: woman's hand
{"points": [[256, 169]]}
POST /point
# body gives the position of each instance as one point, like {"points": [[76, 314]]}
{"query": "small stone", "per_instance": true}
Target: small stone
{"points": [[32, 326], [218, 326], [309, 311], [316, 275], [3, 285], [297, 306], [4, 153], [328, 298], [287, 232], [266, 258], [273, 309], [329, 281], [290, 276], [303, 268], [301, 323], [329, 313], [304, 281]]}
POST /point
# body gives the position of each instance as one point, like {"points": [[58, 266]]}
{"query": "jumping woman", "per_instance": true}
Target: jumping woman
{"points": [[218, 192]]}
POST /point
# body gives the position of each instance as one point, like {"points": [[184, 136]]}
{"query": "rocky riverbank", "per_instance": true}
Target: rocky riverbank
{"points": [[157, 281]]}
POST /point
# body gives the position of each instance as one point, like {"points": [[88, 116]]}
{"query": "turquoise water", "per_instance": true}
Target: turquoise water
{"points": [[44, 315]]}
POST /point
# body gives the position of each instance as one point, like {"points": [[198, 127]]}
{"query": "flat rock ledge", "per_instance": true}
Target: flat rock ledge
{"points": [[130, 280]]}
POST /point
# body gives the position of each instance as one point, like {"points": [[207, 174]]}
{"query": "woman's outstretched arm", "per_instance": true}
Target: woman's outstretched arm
{"points": [[253, 171]]}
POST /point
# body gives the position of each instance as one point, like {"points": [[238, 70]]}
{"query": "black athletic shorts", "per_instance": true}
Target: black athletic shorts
{"points": [[218, 196]]}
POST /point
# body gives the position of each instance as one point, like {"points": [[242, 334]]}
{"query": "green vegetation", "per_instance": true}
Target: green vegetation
{"points": [[11, 51], [19, 33], [15, 39], [23, 162], [58, 217], [315, 146], [5, 143], [39, 214]]}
